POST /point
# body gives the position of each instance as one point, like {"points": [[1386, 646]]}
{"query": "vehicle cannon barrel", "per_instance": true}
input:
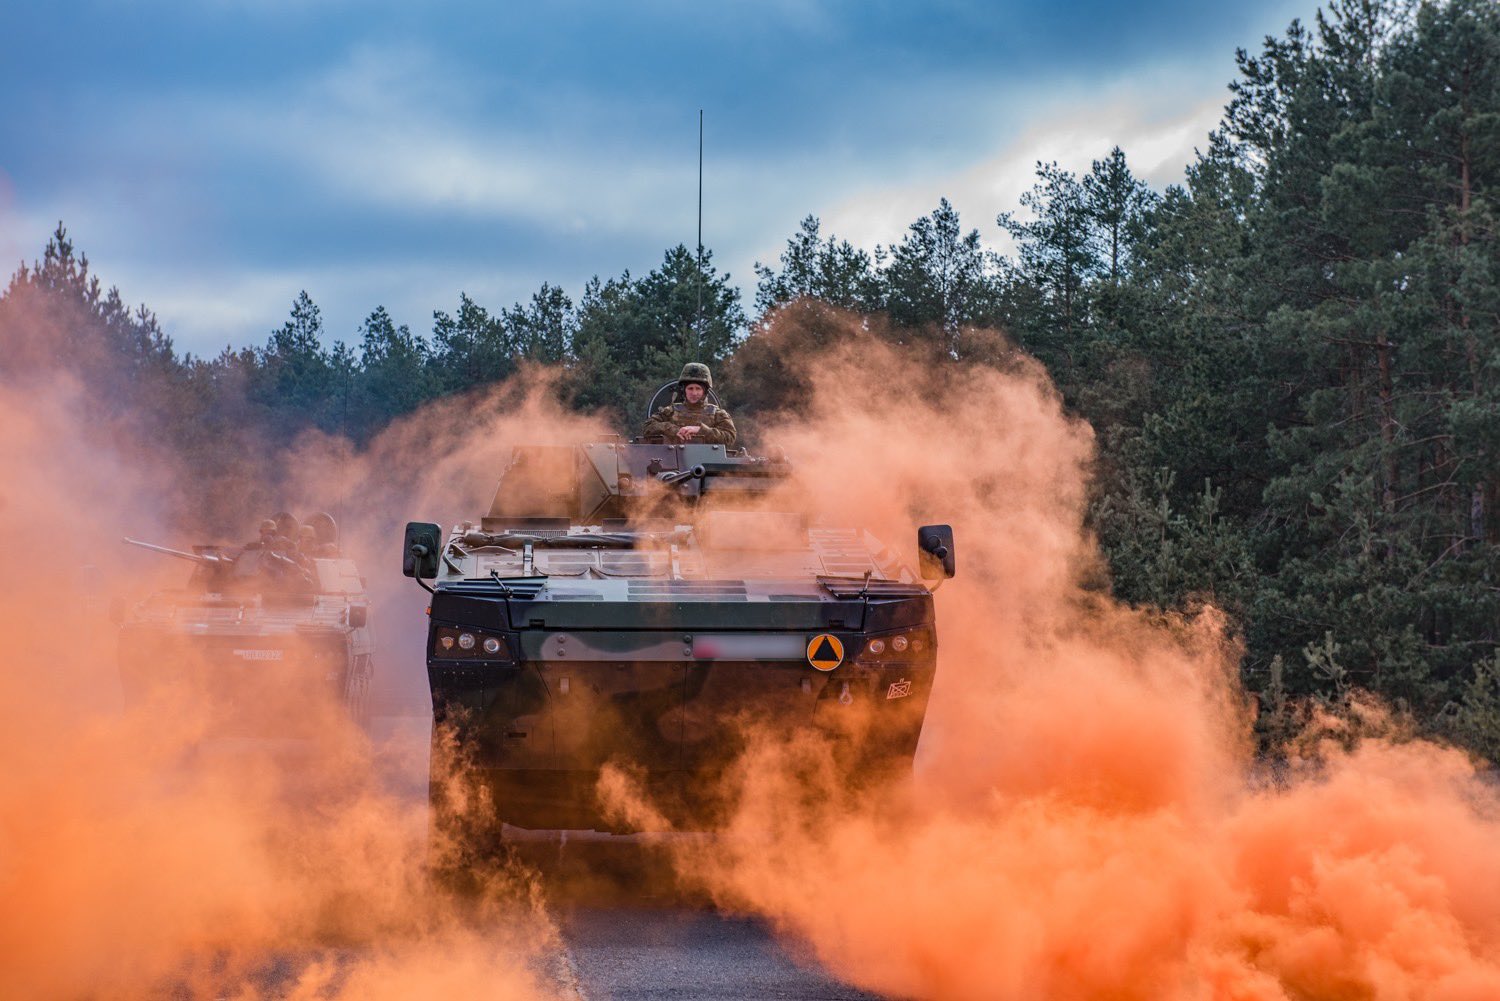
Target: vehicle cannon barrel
{"points": [[207, 557]]}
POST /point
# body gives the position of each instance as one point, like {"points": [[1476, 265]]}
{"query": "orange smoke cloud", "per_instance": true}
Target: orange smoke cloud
{"points": [[1087, 818], [142, 853]]}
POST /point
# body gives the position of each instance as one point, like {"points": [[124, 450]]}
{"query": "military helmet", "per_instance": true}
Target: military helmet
{"points": [[268, 527], [696, 371], [286, 524]]}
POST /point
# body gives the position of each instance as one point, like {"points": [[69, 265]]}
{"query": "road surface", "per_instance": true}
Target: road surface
{"points": [[626, 936]]}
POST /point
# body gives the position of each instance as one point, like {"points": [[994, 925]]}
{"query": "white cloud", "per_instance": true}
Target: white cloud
{"points": [[205, 310], [1158, 142], [102, 233], [390, 129], [12, 225]]}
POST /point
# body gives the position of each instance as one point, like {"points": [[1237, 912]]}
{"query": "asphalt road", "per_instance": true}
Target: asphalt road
{"points": [[628, 935], [623, 953]]}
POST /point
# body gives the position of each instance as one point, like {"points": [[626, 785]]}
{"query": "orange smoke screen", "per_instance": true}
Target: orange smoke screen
{"points": [[1087, 818], [144, 855]]}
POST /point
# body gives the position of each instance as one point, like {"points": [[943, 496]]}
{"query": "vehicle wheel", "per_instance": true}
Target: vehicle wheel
{"points": [[357, 691], [465, 849]]}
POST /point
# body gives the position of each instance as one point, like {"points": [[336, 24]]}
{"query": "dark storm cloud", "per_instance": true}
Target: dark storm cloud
{"points": [[214, 158]]}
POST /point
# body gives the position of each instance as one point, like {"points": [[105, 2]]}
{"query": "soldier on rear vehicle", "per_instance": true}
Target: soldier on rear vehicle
{"points": [[308, 546], [692, 419], [267, 538]]}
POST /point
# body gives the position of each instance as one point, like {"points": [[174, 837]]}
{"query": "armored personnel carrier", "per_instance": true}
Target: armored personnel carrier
{"points": [[256, 632], [642, 604]]}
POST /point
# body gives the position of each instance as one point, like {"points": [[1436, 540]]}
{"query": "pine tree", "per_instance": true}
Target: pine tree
{"points": [[832, 271], [294, 378], [392, 376], [469, 349], [542, 330], [939, 279]]}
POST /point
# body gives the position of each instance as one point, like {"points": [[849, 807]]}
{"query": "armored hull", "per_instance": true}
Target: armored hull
{"points": [[257, 655], [670, 613]]}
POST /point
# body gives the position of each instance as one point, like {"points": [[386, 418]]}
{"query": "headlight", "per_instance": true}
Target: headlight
{"points": [[462, 642], [895, 646]]}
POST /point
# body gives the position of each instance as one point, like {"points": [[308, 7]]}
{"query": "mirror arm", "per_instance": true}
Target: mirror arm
{"points": [[420, 551]]}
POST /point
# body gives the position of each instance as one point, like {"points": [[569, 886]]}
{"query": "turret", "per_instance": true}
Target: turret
{"points": [[600, 484]]}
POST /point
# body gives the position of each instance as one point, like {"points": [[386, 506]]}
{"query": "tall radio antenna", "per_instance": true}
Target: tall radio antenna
{"points": [[698, 325]]}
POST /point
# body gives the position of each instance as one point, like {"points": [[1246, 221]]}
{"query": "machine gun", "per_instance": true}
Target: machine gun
{"points": [[220, 566], [216, 559]]}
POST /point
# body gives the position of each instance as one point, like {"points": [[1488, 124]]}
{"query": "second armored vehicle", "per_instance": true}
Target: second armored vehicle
{"points": [[259, 636]]}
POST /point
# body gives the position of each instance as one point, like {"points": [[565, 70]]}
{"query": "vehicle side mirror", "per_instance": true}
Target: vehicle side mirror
{"points": [[935, 549], [419, 555], [359, 615]]}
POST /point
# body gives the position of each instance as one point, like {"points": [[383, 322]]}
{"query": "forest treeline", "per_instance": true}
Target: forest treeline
{"points": [[1290, 359]]}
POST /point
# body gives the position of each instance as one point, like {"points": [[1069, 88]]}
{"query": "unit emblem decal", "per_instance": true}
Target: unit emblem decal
{"points": [[825, 651]]}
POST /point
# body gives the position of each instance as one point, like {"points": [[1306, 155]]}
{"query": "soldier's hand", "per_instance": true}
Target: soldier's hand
{"points": [[690, 431]]}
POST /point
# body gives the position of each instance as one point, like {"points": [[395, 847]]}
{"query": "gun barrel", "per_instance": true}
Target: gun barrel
{"points": [[679, 476], [195, 557]]}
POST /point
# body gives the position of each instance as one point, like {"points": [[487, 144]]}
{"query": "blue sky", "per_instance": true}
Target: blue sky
{"points": [[214, 157]]}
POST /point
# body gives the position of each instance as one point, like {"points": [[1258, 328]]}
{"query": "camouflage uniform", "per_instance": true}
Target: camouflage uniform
{"points": [[268, 536], [717, 426]]}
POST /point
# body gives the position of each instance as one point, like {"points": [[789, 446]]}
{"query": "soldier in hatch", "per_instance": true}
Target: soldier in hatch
{"points": [[267, 538], [307, 547], [692, 419], [310, 547]]}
